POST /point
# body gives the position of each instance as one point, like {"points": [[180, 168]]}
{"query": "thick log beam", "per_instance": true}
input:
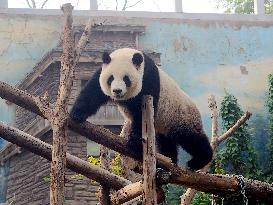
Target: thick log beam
{"points": [[75, 164], [127, 193], [199, 181]]}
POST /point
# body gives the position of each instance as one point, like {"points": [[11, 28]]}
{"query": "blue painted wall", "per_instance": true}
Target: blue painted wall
{"points": [[23, 42], [204, 57], [212, 57]]}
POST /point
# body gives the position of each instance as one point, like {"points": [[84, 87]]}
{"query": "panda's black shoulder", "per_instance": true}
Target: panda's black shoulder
{"points": [[149, 62], [151, 79]]}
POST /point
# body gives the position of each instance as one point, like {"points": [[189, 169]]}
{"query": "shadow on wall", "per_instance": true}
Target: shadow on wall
{"points": [[4, 171]]}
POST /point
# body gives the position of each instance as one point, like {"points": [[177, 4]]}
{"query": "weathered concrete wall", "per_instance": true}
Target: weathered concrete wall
{"points": [[204, 53]]}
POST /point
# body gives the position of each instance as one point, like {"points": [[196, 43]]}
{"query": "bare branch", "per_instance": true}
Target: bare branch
{"points": [[126, 7], [116, 5], [33, 4], [28, 3], [233, 129], [44, 3]]}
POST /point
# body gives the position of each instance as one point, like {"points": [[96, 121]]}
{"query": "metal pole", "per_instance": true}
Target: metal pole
{"points": [[3, 4], [93, 5], [178, 6], [259, 7]]}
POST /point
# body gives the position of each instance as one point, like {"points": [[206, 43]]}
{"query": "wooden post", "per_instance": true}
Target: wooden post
{"points": [[149, 160], [104, 190], [59, 115]]}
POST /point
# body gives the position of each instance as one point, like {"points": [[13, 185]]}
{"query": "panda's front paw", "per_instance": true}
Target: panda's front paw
{"points": [[135, 145]]}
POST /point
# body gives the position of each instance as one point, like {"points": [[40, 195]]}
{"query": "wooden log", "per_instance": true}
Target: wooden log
{"points": [[127, 193], [133, 191], [179, 175], [75, 164], [149, 160], [104, 190]]}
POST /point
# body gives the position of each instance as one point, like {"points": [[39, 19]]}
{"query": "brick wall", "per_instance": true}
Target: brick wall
{"points": [[29, 174], [48, 81]]}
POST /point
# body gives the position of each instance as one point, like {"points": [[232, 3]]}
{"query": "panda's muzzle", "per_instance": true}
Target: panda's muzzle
{"points": [[118, 93]]}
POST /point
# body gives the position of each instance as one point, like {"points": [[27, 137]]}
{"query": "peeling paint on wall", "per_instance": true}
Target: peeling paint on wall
{"points": [[204, 58], [23, 41]]}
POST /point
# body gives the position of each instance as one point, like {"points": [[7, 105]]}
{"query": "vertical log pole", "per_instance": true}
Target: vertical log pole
{"points": [[104, 190], [149, 160], [60, 113]]}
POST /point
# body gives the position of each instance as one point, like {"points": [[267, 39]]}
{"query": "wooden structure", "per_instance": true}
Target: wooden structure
{"points": [[216, 184]]}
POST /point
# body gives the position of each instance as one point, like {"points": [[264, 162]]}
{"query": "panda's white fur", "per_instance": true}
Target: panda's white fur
{"points": [[121, 64], [177, 119], [175, 107]]}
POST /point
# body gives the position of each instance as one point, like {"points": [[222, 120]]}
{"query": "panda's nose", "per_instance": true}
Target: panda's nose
{"points": [[117, 91]]}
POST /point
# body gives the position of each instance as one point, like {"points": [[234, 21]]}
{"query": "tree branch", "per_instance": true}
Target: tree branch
{"points": [[187, 197], [44, 3], [75, 164], [233, 129], [29, 5], [126, 7], [33, 4]]}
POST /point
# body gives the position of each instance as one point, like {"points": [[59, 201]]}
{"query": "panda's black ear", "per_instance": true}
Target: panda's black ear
{"points": [[106, 59], [137, 59]]}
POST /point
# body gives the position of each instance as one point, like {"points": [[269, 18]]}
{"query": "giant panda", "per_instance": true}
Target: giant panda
{"points": [[125, 76]]}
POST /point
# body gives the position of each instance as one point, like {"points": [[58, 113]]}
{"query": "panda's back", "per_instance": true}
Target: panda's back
{"points": [[175, 108]]}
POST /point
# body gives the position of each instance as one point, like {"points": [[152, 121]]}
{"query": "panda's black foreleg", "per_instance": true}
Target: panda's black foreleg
{"points": [[135, 139], [196, 144], [90, 99]]}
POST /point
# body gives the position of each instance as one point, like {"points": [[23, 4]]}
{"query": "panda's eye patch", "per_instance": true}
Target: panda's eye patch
{"points": [[110, 80], [127, 81]]}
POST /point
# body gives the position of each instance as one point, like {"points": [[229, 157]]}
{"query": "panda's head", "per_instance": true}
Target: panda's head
{"points": [[122, 73]]}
